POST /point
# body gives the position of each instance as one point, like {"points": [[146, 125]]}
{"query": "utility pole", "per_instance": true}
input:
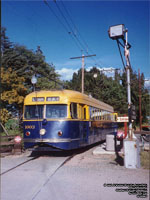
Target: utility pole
{"points": [[128, 85], [82, 83], [83, 56], [140, 113], [132, 154]]}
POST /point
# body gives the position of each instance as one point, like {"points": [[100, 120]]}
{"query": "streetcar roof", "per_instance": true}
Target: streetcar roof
{"points": [[64, 97]]}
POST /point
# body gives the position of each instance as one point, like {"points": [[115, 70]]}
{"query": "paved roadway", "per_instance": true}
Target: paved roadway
{"points": [[23, 176], [81, 178]]}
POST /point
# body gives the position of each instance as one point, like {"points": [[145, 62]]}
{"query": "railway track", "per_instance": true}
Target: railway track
{"points": [[35, 173], [25, 176], [11, 169], [34, 158]]}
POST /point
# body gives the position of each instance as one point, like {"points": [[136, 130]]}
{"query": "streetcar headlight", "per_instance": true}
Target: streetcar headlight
{"points": [[42, 131], [60, 133]]}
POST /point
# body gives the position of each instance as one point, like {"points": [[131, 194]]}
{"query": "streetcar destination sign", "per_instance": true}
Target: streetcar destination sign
{"points": [[122, 119]]}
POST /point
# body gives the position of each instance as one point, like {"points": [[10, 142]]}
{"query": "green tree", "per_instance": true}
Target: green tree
{"points": [[19, 65], [5, 43], [110, 90], [13, 90], [135, 93], [102, 88], [25, 63]]}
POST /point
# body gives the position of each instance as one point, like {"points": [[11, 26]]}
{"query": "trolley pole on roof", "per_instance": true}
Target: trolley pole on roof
{"points": [[83, 56]]}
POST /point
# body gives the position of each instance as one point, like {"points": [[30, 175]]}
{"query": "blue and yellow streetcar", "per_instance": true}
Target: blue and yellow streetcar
{"points": [[65, 120]]}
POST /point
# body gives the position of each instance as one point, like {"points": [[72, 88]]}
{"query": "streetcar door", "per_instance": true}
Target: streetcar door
{"points": [[84, 124]]}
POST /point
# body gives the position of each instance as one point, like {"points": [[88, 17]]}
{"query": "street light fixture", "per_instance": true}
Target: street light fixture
{"points": [[95, 75], [34, 81], [117, 31]]}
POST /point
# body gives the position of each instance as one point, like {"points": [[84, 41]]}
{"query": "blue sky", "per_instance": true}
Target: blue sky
{"points": [[32, 23]]}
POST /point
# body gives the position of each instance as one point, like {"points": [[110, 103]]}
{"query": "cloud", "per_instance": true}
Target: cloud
{"points": [[107, 71], [66, 74], [147, 84], [66, 69]]}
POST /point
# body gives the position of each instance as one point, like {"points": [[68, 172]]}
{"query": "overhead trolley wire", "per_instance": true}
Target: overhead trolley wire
{"points": [[85, 43], [72, 31], [69, 29], [60, 21], [87, 46], [47, 4], [69, 16], [81, 37]]}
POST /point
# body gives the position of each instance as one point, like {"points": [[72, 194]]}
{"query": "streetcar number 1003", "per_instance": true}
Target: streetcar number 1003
{"points": [[30, 127]]}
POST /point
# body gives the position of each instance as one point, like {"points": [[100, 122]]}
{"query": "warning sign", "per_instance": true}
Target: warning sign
{"points": [[122, 119]]}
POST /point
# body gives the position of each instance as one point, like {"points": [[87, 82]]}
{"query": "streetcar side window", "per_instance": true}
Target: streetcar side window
{"points": [[90, 111], [102, 117], [73, 110], [94, 113], [109, 116], [84, 113]]}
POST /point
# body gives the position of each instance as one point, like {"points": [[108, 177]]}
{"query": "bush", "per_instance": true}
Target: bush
{"points": [[12, 126]]}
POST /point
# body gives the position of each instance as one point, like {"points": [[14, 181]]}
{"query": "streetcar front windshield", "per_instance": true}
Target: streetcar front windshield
{"points": [[34, 112], [56, 111]]}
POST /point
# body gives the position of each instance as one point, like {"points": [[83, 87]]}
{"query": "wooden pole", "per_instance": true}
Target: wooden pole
{"points": [[4, 129], [82, 82]]}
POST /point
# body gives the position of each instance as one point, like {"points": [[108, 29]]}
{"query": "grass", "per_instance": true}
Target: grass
{"points": [[12, 132], [145, 159]]}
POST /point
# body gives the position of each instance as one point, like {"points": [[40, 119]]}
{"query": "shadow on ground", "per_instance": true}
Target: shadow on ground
{"points": [[62, 153], [119, 159]]}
